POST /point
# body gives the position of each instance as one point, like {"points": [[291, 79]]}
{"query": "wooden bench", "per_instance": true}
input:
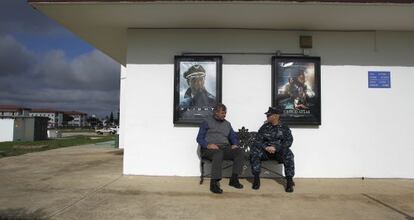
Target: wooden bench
{"points": [[246, 141]]}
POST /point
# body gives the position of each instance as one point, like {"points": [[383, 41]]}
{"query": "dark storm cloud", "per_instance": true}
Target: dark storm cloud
{"points": [[39, 76], [89, 82], [11, 52], [92, 71]]}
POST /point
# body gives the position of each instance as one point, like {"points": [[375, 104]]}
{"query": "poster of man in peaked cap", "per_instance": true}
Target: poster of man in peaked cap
{"points": [[197, 88], [296, 89]]}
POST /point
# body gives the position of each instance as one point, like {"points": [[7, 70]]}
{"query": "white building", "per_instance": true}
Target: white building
{"points": [[364, 131], [79, 118], [55, 116], [13, 110], [6, 129], [23, 128]]}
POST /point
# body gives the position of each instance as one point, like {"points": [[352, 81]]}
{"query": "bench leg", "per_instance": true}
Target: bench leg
{"points": [[202, 172]]}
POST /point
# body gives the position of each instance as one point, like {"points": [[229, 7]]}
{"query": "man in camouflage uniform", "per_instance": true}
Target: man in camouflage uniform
{"points": [[273, 141]]}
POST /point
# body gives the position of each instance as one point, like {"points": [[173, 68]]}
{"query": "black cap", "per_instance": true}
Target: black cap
{"points": [[274, 110], [195, 71]]}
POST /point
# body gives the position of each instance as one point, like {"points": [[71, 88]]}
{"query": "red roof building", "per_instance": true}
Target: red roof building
{"points": [[13, 110]]}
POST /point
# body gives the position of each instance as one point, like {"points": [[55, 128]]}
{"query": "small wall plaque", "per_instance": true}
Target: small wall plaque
{"points": [[379, 79]]}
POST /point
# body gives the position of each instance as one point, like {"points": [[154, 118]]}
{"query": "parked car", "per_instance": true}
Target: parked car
{"points": [[106, 131], [115, 129]]}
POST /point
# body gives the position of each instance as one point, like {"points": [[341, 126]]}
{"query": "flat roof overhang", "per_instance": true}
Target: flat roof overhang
{"points": [[104, 23]]}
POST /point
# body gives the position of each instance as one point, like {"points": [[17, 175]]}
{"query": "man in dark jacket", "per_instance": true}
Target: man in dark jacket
{"points": [[273, 141], [219, 142]]}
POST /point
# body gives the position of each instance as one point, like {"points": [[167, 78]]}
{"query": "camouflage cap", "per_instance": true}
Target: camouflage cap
{"points": [[274, 110], [195, 71]]}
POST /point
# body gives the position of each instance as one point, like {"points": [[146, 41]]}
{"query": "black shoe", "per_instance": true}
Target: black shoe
{"points": [[214, 187], [234, 182], [256, 183], [289, 184]]}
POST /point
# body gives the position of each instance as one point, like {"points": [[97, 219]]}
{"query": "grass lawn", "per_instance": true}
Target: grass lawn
{"points": [[15, 148], [68, 130]]}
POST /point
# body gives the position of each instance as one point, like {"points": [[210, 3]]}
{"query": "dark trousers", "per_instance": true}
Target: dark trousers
{"points": [[224, 153], [285, 156]]}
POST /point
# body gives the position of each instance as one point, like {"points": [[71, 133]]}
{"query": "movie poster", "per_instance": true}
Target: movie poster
{"points": [[296, 89], [197, 88]]}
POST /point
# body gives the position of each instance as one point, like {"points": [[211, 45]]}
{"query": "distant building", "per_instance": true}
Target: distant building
{"points": [[13, 110], [79, 118], [55, 116], [23, 128]]}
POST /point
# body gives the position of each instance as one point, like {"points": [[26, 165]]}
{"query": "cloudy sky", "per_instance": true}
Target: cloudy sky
{"points": [[42, 65]]}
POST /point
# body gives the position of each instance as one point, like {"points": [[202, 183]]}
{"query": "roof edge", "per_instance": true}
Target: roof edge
{"points": [[293, 1]]}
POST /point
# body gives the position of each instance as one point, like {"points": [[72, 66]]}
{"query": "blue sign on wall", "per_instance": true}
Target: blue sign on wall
{"points": [[379, 79]]}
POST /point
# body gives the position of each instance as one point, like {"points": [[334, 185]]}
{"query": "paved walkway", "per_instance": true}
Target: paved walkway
{"points": [[85, 182]]}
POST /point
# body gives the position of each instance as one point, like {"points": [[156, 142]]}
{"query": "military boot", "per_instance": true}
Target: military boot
{"points": [[234, 182], [214, 186], [256, 182], [289, 184]]}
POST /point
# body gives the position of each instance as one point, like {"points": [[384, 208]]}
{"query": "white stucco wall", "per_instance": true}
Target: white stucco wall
{"points": [[6, 129], [364, 132], [123, 99]]}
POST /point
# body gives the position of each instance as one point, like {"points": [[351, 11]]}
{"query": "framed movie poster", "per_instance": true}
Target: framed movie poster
{"points": [[296, 88], [197, 87]]}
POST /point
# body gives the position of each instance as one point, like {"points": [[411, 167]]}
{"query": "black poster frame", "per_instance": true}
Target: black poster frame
{"points": [[301, 102], [185, 114]]}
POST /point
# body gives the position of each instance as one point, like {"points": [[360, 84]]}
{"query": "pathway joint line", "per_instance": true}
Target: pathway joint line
{"points": [[64, 209]]}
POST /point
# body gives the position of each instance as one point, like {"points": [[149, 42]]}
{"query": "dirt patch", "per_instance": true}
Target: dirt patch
{"points": [[117, 152], [22, 214], [29, 147]]}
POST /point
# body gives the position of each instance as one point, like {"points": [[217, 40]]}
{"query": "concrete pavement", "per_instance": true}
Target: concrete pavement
{"points": [[86, 182]]}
